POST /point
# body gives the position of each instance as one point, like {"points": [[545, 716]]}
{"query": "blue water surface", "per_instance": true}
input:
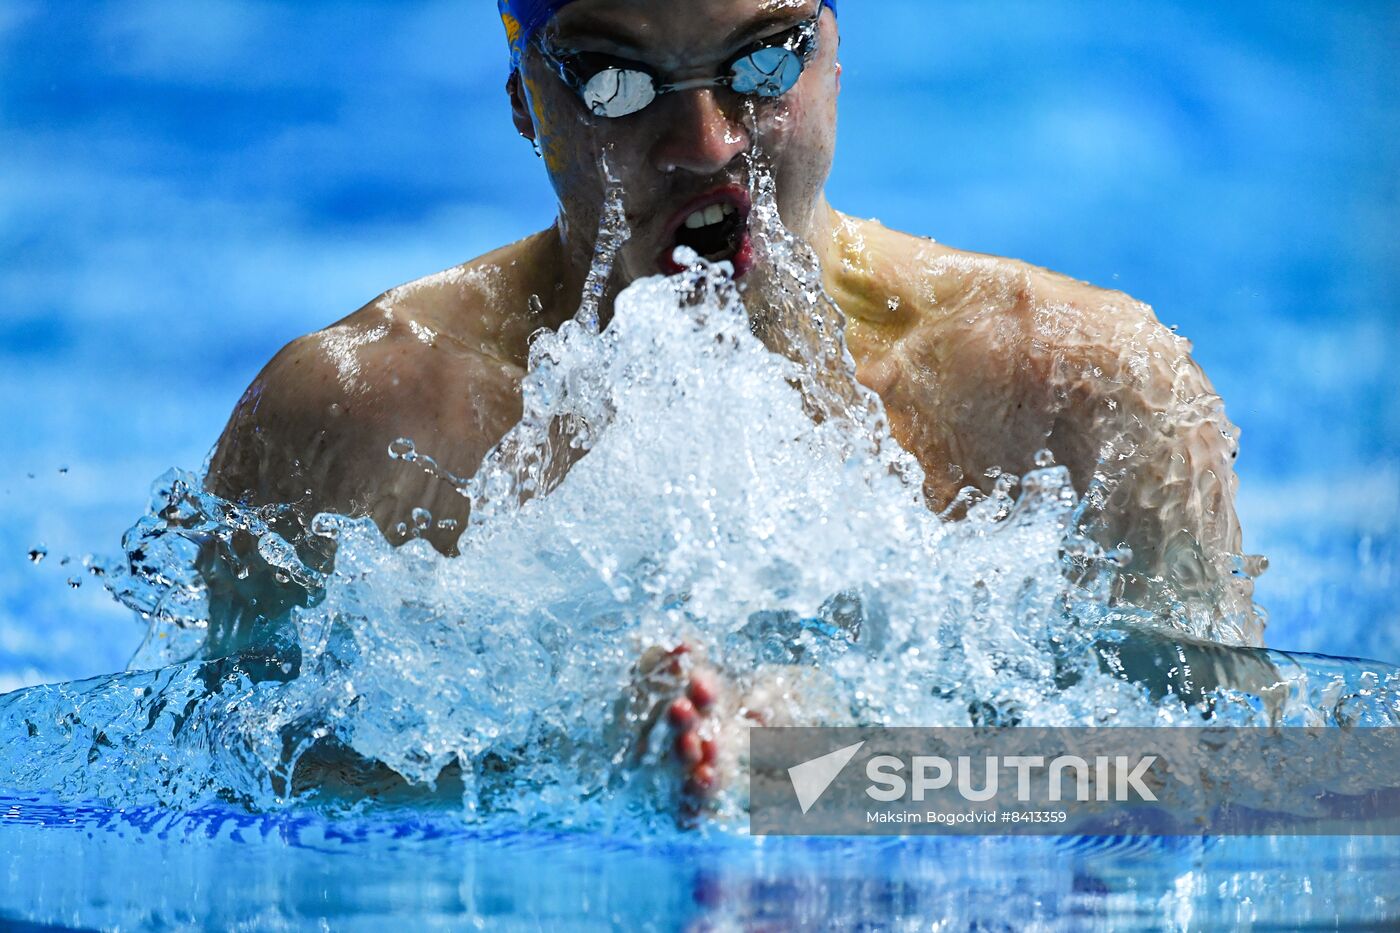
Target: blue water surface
{"points": [[223, 870], [186, 185]]}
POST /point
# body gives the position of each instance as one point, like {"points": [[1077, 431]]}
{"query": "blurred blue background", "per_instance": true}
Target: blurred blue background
{"points": [[186, 185]]}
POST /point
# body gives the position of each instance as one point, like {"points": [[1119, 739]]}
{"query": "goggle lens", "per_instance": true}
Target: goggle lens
{"points": [[769, 72], [617, 92]]}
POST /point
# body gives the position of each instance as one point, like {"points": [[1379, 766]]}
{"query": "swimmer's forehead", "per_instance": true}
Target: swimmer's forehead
{"points": [[644, 25]]}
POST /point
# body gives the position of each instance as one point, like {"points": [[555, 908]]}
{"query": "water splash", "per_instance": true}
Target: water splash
{"points": [[613, 233], [797, 319], [535, 455], [674, 478]]}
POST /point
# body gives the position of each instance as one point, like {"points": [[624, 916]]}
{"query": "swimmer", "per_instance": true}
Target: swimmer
{"points": [[980, 361]]}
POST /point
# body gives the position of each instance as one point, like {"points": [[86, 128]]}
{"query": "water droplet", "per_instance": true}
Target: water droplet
{"points": [[63, 470], [422, 519], [1044, 458], [326, 526], [403, 449], [447, 524], [37, 555], [74, 582]]}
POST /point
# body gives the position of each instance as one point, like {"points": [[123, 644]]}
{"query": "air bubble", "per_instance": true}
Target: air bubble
{"points": [[403, 449], [326, 526]]}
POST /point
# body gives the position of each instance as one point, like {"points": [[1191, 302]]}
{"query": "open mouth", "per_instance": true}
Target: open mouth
{"points": [[716, 226]]}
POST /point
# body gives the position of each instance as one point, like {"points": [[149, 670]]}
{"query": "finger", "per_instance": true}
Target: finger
{"points": [[690, 748], [702, 691], [681, 713]]}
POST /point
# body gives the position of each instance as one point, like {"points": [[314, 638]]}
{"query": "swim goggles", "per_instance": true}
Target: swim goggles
{"points": [[612, 87]]}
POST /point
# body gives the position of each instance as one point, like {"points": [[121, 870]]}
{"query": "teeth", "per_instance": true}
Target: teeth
{"points": [[710, 216]]}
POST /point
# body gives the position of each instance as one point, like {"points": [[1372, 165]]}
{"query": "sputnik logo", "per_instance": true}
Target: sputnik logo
{"points": [[811, 778]]}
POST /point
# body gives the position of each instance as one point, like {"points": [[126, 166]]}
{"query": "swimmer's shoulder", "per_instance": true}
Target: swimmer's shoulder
{"points": [[437, 360], [488, 306], [906, 286]]}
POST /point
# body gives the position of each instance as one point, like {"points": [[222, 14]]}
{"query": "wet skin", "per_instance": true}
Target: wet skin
{"points": [[981, 361]]}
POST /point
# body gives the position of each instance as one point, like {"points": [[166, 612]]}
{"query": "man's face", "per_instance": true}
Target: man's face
{"points": [[685, 153]]}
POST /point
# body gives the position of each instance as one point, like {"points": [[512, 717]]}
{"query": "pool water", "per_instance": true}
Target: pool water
{"points": [[223, 869], [1236, 168]]}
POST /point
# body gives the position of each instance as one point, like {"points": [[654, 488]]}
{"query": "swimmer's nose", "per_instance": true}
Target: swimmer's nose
{"points": [[699, 136]]}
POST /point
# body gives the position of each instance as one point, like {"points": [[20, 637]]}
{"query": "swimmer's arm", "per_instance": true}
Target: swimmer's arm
{"points": [[991, 360], [299, 436], [1143, 428]]}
